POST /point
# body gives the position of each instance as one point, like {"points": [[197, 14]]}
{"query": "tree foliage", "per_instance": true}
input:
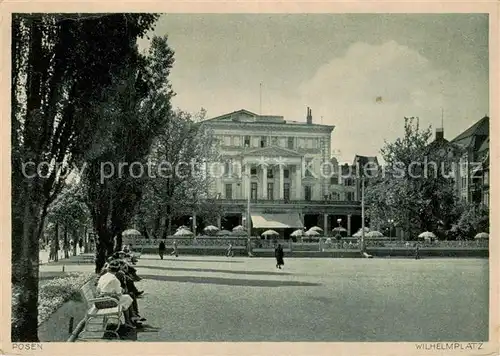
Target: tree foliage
{"points": [[117, 169], [63, 68], [416, 188], [181, 183]]}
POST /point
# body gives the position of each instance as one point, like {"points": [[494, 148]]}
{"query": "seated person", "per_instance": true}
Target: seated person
{"points": [[109, 285]]}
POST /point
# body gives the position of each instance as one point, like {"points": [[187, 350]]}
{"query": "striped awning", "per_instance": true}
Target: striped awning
{"points": [[277, 221]]}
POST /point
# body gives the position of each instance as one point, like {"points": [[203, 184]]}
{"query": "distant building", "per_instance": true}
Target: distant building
{"points": [[284, 167], [473, 178]]}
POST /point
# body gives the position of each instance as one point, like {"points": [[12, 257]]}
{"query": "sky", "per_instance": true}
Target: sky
{"points": [[362, 73]]}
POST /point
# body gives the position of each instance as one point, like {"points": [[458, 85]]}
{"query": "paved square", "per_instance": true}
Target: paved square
{"points": [[200, 298]]}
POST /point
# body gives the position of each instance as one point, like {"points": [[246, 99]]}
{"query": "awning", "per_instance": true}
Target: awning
{"points": [[277, 221]]}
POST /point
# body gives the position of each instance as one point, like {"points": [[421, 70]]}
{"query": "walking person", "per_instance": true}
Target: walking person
{"points": [[161, 249], [175, 251], [279, 254], [417, 253], [230, 251]]}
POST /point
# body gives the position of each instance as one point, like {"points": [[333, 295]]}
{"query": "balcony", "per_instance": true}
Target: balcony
{"points": [[305, 206]]}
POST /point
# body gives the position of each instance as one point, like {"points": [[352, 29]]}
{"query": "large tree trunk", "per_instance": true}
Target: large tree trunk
{"points": [[66, 242], [56, 243], [25, 269]]}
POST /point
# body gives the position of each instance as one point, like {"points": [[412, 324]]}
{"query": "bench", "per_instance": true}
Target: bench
{"points": [[106, 308]]}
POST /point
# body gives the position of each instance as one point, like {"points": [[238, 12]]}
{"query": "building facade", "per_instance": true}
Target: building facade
{"points": [[282, 169], [472, 181]]}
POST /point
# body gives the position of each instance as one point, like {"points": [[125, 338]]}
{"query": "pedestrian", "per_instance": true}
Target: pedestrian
{"points": [[175, 252], [279, 254], [161, 249], [230, 251], [417, 253], [80, 245]]}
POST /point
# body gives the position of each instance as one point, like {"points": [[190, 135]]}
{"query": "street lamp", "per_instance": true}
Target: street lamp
{"points": [[390, 221], [339, 221]]}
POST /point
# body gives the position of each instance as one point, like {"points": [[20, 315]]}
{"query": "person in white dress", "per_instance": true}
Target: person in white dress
{"points": [[109, 285]]}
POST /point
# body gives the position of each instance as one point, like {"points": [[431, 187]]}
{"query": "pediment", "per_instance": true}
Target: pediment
{"points": [[272, 151]]}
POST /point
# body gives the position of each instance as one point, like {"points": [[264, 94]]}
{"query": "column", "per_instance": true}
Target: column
{"points": [[349, 225], [219, 221], [325, 225], [246, 179], [264, 182], [298, 182], [194, 224], [282, 185]]}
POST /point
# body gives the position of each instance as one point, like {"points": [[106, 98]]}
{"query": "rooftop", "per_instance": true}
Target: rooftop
{"points": [[248, 117]]}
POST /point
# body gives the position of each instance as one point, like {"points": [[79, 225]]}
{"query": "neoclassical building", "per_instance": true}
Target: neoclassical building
{"points": [[285, 168]]}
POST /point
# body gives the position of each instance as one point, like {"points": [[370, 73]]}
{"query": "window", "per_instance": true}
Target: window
{"points": [[270, 173], [308, 167], [348, 182], [229, 191], [275, 141], [263, 141], [253, 171], [227, 168], [335, 196], [253, 191], [270, 191], [349, 196], [286, 191], [334, 180], [286, 173], [307, 192], [247, 141], [236, 140], [290, 143]]}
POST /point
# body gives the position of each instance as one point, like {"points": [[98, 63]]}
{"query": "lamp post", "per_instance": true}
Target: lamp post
{"points": [[390, 221], [339, 221], [191, 223]]}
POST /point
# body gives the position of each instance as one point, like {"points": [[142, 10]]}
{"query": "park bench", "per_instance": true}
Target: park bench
{"points": [[105, 308]]}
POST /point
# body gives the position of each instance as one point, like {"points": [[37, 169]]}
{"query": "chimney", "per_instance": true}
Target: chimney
{"points": [[439, 134], [309, 116]]}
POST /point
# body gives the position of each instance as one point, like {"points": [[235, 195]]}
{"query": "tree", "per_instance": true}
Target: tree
{"points": [[473, 220], [416, 188], [69, 210], [117, 168], [179, 159], [62, 70]]}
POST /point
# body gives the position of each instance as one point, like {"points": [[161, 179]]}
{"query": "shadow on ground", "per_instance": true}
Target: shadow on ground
{"points": [[257, 273], [127, 334], [230, 281], [184, 260]]}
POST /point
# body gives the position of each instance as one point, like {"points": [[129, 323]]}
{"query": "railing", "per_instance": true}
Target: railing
{"points": [[191, 242], [428, 244]]}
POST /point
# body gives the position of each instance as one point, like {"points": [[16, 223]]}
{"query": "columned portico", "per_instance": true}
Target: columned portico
{"points": [[275, 160], [298, 182]]}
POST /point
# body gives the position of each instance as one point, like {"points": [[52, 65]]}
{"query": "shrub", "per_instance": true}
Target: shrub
{"points": [[54, 293]]}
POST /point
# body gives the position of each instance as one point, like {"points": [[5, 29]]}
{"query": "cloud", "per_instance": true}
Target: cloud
{"points": [[367, 92]]}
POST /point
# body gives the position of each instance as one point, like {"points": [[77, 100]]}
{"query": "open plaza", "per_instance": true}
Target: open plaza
{"points": [[219, 298]]}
